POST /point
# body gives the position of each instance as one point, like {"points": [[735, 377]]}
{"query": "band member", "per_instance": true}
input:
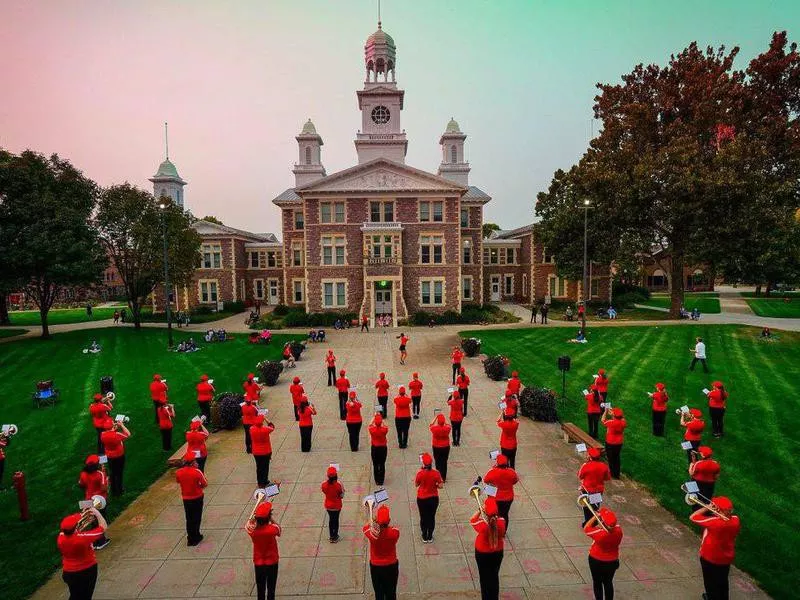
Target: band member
{"points": [[508, 425], [415, 387], [428, 482], [384, 567], [402, 416], [262, 448], [615, 424], [306, 423], [440, 442], [113, 441], [456, 415], [342, 387], [382, 387], [252, 389], [100, 408], [263, 531], [297, 391], [462, 381], [699, 352], [593, 475], [601, 381], [716, 407], [353, 420], [512, 401], [718, 548], [330, 363], [403, 353], [704, 471], [196, 443], [455, 358], [158, 394], [514, 384], [249, 418], [165, 415], [378, 449], [333, 491], [694, 424], [205, 394], [192, 482], [503, 478], [93, 482], [593, 410], [660, 400], [604, 552], [78, 561], [364, 323], [3, 444], [491, 531]]}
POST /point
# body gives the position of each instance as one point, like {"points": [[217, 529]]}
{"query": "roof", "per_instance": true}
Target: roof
{"points": [[452, 126], [381, 37], [209, 229], [505, 234], [286, 197], [309, 129], [476, 194], [167, 169]]}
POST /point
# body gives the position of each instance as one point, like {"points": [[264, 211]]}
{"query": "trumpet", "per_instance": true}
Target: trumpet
{"points": [[475, 492], [583, 502], [88, 520], [369, 503], [9, 432], [260, 496], [693, 498], [201, 418], [109, 397]]}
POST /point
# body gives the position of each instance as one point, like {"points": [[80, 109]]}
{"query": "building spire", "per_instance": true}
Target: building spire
{"points": [[379, 14], [166, 139]]}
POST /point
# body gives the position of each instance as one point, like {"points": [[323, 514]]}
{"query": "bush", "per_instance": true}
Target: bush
{"points": [[625, 296], [234, 307], [202, 309], [295, 318], [495, 367], [230, 413], [471, 346], [539, 404], [281, 310], [269, 371], [421, 318]]}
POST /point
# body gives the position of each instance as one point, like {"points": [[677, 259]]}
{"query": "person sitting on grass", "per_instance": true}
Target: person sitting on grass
{"points": [[580, 337], [684, 314], [612, 313], [312, 335], [695, 314], [265, 336], [321, 335], [766, 332]]}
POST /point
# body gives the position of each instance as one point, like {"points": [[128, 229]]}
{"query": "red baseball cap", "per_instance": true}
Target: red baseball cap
{"points": [[258, 420], [427, 459], [383, 516], [378, 418], [502, 460], [352, 394], [98, 396], [440, 419], [382, 375], [514, 374], [456, 395], [462, 370], [402, 390], [601, 371], [415, 375], [195, 425], [696, 412], [342, 372], [617, 412], [263, 510], [659, 386], [92, 459], [330, 351], [508, 412], [490, 506], [296, 380], [203, 377], [331, 472], [722, 502], [70, 521], [594, 452], [705, 451], [717, 384], [157, 377], [189, 457], [608, 516], [251, 375]]}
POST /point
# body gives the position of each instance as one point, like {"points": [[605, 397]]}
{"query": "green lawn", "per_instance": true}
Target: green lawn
{"points": [[760, 448], [148, 316], [774, 294], [61, 316], [775, 307], [6, 332], [53, 442], [706, 302]]}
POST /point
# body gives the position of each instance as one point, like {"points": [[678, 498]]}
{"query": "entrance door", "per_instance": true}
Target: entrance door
{"points": [[273, 292], [383, 298], [494, 288]]}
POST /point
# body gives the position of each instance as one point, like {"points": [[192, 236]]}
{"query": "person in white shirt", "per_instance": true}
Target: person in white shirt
{"points": [[699, 351]]}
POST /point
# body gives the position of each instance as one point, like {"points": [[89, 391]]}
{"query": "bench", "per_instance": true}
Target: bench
{"points": [[176, 460], [45, 394], [574, 434]]}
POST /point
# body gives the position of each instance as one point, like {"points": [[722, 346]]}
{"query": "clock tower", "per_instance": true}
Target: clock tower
{"points": [[380, 103]]}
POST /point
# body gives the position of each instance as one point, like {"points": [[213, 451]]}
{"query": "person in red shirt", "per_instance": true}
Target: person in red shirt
{"points": [[455, 359], [262, 448], [508, 425], [378, 448], [593, 410], [462, 381], [384, 567], [716, 407], [694, 424], [382, 387], [593, 475], [705, 471], [428, 482], [78, 561], [342, 387], [196, 443], [490, 529], [306, 423], [402, 416], [615, 437], [158, 393], [113, 439], [192, 482], [93, 482], [440, 442], [415, 387], [512, 401], [604, 552], [503, 478], [330, 362], [403, 353], [252, 389], [514, 384], [660, 400], [249, 415], [205, 394], [3, 444], [456, 405], [166, 413], [100, 408], [353, 420], [297, 391], [263, 531], [333, 491], [601, 381], [718, 548]]}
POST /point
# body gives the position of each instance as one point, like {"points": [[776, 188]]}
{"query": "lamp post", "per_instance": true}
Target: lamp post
{"points": [[586, 207], [163, 207]]}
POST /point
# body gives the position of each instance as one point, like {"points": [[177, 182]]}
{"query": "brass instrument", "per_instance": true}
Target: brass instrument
{"points": [[583, 502], [109, 397], [369, 503], [693, 498], [475, 492], [88, 520], [260, 496], [10, 432]]}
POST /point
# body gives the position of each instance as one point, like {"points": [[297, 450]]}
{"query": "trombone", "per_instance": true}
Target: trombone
{"points": [[475, 491], [583, 502], [693, 498], [88, 520]]}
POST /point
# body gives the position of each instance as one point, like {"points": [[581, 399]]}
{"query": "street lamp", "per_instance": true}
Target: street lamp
{"points": [[163, 206], [586, 207]]}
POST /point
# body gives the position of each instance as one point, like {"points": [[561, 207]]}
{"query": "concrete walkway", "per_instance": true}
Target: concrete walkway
{"points": [[546, 552]]}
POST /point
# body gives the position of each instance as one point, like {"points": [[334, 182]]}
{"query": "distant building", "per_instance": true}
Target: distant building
{"points": [[656, 268]]}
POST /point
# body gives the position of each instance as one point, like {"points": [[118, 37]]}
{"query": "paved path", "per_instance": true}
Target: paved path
{"points": [[546, 551]]}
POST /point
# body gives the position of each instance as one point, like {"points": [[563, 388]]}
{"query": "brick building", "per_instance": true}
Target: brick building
{"points": [[655, 270]]}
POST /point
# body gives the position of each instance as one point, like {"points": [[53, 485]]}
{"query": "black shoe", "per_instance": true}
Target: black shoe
{"points": [[416, 416], [99, 545]]}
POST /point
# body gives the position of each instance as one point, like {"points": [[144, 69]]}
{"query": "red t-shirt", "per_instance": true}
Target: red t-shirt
{"points": [[297, 391], [93, 484], [251, 390], [462, 381], [694, 430], [593, 476], [305, 417], [383, 388], [196, 440], [192, 482], [205, 391], [593, 404], [343, 384], [426, 482], [403, 340], [706, 471], [456, 409], [508, 434], [602, 383], [660, 401], [77, 552], [605, 544], [383, 548], [514, 384], [249, 414], [158, 391], [259, 435], [112, 442], [353, 408], [98, 410], [164, 419], [378, 435], [716, 398], [503, 479], [330, 360], [456, 356], [482, 540], [402, 406], [333, 495], [719, 538], [265, 546], [440, 436], [615, 431], [415, 385]]}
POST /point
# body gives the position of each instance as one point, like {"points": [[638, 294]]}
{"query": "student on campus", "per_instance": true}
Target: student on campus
{"points": [[718, 546], [428, 481], [262, 448], [297, 391], [456, 405], [378, 448], [382, 387], [263, 531], [353, 420], [205, 394], [192, 483], [78, 561], [100, 408], [113, 440], [593, 475], [615, 424], [403, 352], [333, 491], [165, 415], [717, 399], [440, 443], [306, 423], [593, 410], [330, 363], [699, 354], [456, 357], [342, 387], [601, 381], [249, 418], [694, 424], [158, 394], [196, 443], [415, 388], [384, 568], [93, 482], [462, 382], [252, 389], [659, 407], [704, 471], [508, 425], [604, 552], [503, 478], [514, 384], [490, 529]]}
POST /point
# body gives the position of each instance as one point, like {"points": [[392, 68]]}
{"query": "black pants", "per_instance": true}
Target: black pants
{"points": [[194, 515], [156, 404], [695, 446], [353, 431], [464, 393], [100, 449], [489, 573], [603, 577], [717, 414], [440, 456], [248, 445], [503, 508], [402, 425], [455, 428], [205, 409], [715, 580], [331, 376], [384, 580], [659, 417], [427, 515], [365, 326], [510, 454], [533, 315], [117, 469], [378, 463], [305, 438], [166, 439], [262, 469], [266, 580], [594, 422], [81, 583], [706, 488], [201, 463], [296, 414], [544, 318], [383, 401], [456, 369], [415, 402], [694, 362], [613, 452], [342, 402], [333, 524]]}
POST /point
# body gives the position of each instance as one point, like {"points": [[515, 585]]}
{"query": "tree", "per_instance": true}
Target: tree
{"points": [[47, 242], [129, 222], [488, 228], [211, 219]]}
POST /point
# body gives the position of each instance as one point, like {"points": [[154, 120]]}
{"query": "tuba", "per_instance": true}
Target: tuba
{"points": [[583, 502]]}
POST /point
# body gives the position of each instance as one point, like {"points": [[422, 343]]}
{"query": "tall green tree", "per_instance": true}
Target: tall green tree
{"points": [[130, 224], [488, 228], [47, 242], [212, 219]]}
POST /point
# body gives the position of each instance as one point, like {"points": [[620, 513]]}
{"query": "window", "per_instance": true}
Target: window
{"points": [[431, 211], [258, 289], [547, 257], [331, 212], [382, 246], [431, 292], [467, 251], [208, 290], [299, 219], [557, 287], [297, 254], [212, 256], [272, 259], [381, 211], [464, 217], [466, 288], [254, 260], [453, 154], [297, 291], [431, 249], [333, 247], [524, 285], [494, 256], [308, 155], [510, 256], [594, 287], [508, 285], [334, 294]]}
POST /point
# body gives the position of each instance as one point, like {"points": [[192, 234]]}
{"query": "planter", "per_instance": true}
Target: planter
{"points": [[471, 346], [539, 404], [270, 371], [229, 410], [496, 367]]}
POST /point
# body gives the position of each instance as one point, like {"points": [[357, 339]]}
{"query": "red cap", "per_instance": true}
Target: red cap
{"points": [[462, 370], [251, 375], [156, 377], [514, 374], [593, 387], [189, 457], [717, 384], [378, 418], [331, 472], [427, 459], [659, 386], [705, 451], [415, 375], [108, 423], [98, 396], [456, 395], [263, 510], [594, 452], [352, 394], [203, 377], [722, 502], [608, 516], [402, 390], [70, 522], [382, 516], [617, 412], [330, 351], [508, 412], [296, 380], [601, 371], [440, 419], [342, 372], [696, 412], [490, 507], [502, 460], [92, 459], [381, 375], [195, 425], [258, 420]]}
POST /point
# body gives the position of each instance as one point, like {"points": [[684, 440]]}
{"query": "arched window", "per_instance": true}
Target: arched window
{"points": [[308, 155], [163, 193], [453, 154]]}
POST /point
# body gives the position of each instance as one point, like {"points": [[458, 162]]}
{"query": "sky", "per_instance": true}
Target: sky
{"points": [[95, 80]]}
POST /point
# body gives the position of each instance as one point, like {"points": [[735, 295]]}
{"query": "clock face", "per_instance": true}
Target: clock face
{"points": [[380, 115]]}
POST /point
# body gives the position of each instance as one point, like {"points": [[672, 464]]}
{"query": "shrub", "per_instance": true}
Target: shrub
{"points": [[269, 371], [297, 349], [295, 318], [539, 404], [281, 310], [628, 300], [234, 307], [420, 318], [495, 367], [471, 346], [202, 309], [230, 413]]}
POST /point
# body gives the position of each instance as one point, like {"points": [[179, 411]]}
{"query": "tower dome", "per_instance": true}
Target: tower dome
{"points": [[309, 129], [379, 55], [167, 169], [452, 127]]}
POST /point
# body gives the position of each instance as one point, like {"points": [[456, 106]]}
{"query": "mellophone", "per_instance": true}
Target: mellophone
{"points": [[694, 497]]}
